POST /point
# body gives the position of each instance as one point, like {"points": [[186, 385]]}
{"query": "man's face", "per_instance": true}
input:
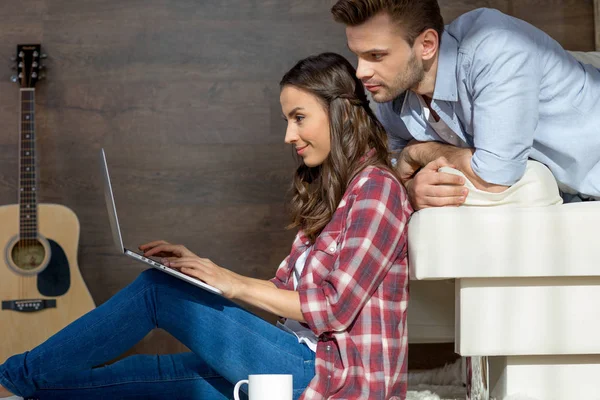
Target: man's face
{"points": [[387, 65]]}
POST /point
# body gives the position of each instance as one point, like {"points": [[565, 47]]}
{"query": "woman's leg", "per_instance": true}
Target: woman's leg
{"points": [[176, 376], [229, 340]]}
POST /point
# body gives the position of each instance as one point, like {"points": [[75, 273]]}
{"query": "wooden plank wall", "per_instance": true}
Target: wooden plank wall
{"points": [[597, 22], [183, 95]]}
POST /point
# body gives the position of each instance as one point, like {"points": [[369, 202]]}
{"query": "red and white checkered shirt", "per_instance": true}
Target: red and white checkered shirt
{"points": [[354, 292]]}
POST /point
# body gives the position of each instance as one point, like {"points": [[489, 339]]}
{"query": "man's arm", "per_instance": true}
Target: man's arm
{"points": [[419, 154], [504, 81]]}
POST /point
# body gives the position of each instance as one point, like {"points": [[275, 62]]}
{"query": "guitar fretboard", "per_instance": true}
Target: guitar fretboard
{"points": [[27, 163]]}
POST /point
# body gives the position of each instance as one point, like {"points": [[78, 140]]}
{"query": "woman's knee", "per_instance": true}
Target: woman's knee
{"points": [[151, 276]]}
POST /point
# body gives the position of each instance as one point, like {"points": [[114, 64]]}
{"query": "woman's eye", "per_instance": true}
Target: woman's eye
{"points": [[299, 118]]}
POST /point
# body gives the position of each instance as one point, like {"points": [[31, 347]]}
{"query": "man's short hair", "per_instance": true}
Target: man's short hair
{"points": [[413, 16]]}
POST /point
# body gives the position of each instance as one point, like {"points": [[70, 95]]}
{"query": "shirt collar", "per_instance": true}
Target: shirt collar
{"points": [[446, 88]]}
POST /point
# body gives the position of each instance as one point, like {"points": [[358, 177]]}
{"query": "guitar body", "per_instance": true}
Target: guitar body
{"points": [[60, 281]]}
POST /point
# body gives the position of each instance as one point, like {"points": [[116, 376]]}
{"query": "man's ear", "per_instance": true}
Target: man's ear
{"points": [[428, 42]]}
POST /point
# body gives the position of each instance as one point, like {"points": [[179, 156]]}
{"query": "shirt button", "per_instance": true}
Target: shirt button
{"points": [[307, 243], [328, 347]]}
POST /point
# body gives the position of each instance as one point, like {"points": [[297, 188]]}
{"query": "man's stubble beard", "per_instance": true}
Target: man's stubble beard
{"points": [[409, 79]]}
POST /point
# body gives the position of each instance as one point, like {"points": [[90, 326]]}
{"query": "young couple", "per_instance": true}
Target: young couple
{"points": [[483, 95]]}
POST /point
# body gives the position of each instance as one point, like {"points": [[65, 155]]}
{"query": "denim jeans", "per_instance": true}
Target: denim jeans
{"points": [[228, 343]]}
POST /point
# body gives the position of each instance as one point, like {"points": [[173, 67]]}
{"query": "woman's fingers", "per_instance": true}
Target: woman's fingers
{"points": [[190, 262], [167, 250], [192, 266], [150, 245]]}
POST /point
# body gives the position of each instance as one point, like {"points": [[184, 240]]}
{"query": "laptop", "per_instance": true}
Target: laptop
{"points": [[116, 232]]}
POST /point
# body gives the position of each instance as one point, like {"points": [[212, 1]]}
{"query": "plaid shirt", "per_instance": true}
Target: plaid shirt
{"points": [[353, 292]]}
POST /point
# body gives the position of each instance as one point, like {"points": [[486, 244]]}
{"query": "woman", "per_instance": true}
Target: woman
{"points": [[342, 290]]}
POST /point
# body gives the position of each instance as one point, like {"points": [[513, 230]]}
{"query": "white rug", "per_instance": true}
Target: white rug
{"points": [[444, 383]]}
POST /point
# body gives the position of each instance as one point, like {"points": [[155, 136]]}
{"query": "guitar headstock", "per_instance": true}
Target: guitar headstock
{"points": [[28, 65]]}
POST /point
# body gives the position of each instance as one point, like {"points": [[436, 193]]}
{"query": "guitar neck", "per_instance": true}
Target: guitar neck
{"points": [[27, 167]]}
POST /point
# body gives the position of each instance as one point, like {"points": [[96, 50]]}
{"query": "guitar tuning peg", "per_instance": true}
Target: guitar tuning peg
{"points": [[44, 55], [21, 54], [14, 79]]}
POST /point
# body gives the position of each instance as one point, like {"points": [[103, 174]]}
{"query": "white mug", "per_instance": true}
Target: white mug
{"points": [[266, 387]]}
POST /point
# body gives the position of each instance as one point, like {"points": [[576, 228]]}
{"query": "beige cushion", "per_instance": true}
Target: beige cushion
{"points": [[528, 234], [537, 188], [592, 57]]}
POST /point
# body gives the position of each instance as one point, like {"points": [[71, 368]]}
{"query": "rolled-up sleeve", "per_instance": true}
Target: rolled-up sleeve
{"points": [[280, 278], [373, 238], [505, 87]]}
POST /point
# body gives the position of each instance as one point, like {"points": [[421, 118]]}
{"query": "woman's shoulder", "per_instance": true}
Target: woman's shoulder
{"points": [[374, 175], [376, 189], [375, 181]]}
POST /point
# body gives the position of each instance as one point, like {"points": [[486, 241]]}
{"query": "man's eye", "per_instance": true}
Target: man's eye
{"points": [[377, 56]]}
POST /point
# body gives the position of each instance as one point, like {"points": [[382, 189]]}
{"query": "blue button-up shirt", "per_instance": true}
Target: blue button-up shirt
{"points": [[511, 92]]}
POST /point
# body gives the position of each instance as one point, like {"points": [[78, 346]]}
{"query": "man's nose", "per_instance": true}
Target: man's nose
{"points": [[363, 71]]}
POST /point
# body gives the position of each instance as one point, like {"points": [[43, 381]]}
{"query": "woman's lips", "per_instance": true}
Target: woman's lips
{"points": [[300, 150]]}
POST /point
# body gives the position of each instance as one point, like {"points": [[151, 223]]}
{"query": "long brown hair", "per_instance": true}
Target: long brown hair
{"points": [[354, 129]]}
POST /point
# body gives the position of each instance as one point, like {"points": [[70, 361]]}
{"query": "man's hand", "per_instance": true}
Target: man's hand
{"points": [[408, 166], [430, 188]]}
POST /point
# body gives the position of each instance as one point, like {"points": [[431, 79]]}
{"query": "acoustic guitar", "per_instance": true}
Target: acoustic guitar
{"points": [[41, 287]]}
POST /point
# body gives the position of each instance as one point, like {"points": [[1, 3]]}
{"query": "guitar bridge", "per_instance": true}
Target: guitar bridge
{"points": [[28, 305]]}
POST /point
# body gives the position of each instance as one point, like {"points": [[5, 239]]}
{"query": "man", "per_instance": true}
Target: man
{"points": [[483, 94]]}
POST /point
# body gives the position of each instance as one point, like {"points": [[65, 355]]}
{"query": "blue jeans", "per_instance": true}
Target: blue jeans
{"points": [[228, 343]]}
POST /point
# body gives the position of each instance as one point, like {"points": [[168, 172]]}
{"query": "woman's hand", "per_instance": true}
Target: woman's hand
{"points": [[178, 257], [160, 248]]}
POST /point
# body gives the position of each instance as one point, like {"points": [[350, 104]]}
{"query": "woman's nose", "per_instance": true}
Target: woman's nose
{"points": [[290, 135]]}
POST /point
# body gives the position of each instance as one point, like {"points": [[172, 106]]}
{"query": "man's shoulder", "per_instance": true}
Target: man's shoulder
{"points": [[473, 27]]}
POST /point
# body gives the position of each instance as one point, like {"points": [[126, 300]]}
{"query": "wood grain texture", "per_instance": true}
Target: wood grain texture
{"points": [[184, 97], [453, 8], [570, 22], [597, 23]]}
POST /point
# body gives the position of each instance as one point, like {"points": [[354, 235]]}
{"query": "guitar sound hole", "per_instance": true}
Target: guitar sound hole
{"points": [[28, 254]]}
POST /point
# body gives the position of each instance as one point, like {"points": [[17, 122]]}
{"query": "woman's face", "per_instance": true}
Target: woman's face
{"points": [[307, 125]]}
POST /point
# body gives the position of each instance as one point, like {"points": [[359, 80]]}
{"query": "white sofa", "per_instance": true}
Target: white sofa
{"points": [[516, 289]]}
